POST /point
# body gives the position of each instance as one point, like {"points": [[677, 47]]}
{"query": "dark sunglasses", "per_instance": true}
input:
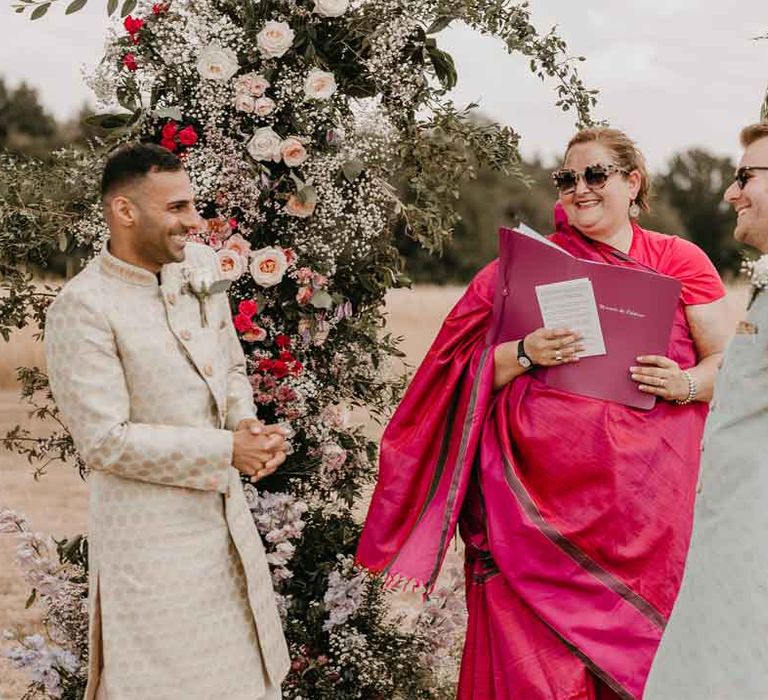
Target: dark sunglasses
{"points": [[595, 177], [744, 174]]}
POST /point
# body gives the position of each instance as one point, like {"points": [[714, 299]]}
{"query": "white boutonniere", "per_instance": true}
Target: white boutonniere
{"points": [[202, 283], [757, 271]]}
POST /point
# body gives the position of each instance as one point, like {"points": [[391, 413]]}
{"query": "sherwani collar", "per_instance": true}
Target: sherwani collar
{"points": [[133, 274]]}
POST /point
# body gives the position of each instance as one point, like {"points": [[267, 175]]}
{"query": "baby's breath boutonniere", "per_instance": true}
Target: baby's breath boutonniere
{"points": [[202, 283], [757, 271]]}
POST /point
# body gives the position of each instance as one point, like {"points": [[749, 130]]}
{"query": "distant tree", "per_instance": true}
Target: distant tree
{"points": [[693, 185], [25, 126]]}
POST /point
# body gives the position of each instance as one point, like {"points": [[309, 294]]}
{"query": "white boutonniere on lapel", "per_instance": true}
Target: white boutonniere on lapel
{"points": [[201, 282], [757, 271]]}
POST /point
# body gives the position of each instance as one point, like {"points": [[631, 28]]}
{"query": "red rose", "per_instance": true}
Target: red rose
{"points": [[133, 24], [170, 144], [296, 368], [169, 130], [233, 224], [243, 323], [160, 8], [129, 61], [265, 365], [248, 308], [283, 341], [187, 136], [280, 369], [285, 356]]}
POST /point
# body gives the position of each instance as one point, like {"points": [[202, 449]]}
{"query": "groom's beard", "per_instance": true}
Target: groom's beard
{"points": [[157, 247]]}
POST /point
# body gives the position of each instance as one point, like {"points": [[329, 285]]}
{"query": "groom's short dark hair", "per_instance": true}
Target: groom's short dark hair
{"points": [[133, 161]]}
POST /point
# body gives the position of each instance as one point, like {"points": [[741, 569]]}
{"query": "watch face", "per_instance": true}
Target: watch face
{"points": [[524, 361]]}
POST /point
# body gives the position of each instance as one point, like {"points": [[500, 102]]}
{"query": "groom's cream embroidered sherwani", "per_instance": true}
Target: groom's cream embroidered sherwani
{"points": [[181, 601]]}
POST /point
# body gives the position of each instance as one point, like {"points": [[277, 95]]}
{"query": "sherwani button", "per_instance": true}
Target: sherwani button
{"points": [[186, 335], [223, 324], [208, 369]]}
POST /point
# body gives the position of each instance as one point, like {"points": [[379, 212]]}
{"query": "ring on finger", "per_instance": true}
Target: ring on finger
{"points": [[558, 356]]}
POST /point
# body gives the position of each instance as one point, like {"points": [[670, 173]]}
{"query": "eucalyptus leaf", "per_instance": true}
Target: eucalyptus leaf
{"points": [[128, 7], [439, 24], [353, 168], [321, 300], [31, 600], [109, 121], [40, 10], [169, 113], [111, 7], [307, 195], [74, 6]]}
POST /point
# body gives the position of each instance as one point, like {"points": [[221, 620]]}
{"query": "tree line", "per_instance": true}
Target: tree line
{"points": [[687, 200]]}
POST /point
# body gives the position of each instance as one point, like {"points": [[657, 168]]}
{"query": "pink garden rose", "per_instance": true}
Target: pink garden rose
{"points": [[251, 84], [295, 207], [237, 244], [293, 152], [231, 264], [268, 266]]}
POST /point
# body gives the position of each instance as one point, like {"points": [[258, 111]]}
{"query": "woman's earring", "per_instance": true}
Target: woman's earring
{"points": [[634, 209]]}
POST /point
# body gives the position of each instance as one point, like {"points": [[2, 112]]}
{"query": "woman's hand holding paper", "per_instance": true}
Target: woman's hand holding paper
{"points": [[550, 347]]}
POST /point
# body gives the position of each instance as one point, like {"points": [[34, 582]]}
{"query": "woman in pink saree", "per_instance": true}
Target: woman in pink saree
{"points": [[575, 512]]}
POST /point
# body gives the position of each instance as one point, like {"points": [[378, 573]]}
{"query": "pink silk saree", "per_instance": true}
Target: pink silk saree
{"points": [[576, 513]]}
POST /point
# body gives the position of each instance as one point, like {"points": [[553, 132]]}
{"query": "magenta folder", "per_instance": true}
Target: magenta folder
{"points": [[636, 310]]}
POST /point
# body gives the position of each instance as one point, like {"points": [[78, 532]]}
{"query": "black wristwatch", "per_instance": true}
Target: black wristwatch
{"points": [[522, 358]]}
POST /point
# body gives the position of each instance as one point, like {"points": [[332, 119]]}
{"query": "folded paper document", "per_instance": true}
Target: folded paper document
{"points": [[622, 313]]}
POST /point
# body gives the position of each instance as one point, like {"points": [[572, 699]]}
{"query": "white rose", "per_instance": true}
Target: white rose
{"points": [[265, 145], [200, 280], [217, 63], [268, 265], [231, 264], [293, 152], [252, 84], [244, 103], [263, 106], [320, 84], [275, 39], [330, 8]]}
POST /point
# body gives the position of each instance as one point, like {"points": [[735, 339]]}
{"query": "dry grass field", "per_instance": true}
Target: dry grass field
{"points": [[57, 503]]}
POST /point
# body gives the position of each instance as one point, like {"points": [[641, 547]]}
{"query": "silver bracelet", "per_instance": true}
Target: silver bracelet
{"points": [[692, 390]]}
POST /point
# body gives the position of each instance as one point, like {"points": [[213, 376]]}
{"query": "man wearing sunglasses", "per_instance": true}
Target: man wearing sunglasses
{"points": [[715, 645]]}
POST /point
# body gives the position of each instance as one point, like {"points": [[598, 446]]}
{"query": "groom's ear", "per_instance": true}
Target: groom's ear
{"points": [[121, 211]]}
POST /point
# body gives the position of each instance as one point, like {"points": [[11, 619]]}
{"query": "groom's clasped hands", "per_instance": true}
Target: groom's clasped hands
{"points": [[258, 449]]}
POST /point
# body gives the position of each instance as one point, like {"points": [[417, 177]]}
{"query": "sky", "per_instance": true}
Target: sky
{"points": [[671, 73]]}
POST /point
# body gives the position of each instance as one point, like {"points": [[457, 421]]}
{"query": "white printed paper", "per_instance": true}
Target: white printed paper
{"points": [[572, 305], [528, 231]]}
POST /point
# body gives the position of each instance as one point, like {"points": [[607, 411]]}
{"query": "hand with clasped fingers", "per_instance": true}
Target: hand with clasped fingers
{"points": [[258, 449]]}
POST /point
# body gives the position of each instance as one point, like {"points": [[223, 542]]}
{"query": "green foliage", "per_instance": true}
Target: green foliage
{"points": [[694, 185]]}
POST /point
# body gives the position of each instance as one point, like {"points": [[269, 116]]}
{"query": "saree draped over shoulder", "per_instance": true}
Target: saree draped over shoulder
{"points": [[575, 512]]}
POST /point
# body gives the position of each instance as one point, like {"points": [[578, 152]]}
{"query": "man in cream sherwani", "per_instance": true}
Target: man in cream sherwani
{"points": [[716, 644], [147, 371]]}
